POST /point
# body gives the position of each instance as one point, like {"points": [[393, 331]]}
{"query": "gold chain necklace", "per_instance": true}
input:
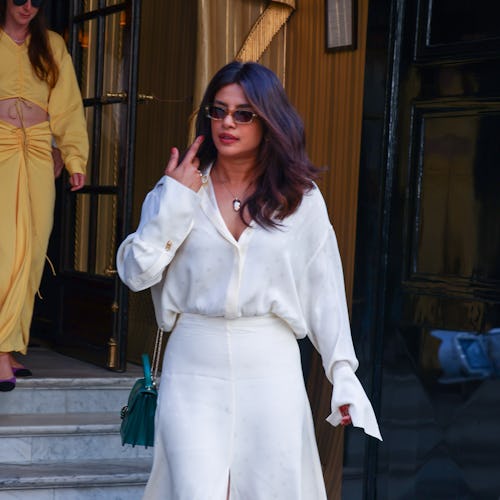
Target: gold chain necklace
{"points": [[236, 198]]}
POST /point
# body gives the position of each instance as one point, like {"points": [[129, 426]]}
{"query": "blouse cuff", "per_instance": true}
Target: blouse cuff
{"points": [[166, 220], [347, 389], [169, 227], [75, 167]]}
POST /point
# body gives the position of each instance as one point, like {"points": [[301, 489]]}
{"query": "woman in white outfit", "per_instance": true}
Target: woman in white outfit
{"points": [[236, 245]]}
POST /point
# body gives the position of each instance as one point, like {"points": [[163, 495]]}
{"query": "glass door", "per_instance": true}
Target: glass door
{"points": [[440, 382], [103, 42]]}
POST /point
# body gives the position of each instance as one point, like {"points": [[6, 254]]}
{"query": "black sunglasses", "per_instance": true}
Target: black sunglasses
{"points": [[215, 112], [35, 3]]}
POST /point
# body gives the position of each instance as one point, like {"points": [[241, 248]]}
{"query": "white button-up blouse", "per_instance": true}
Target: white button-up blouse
{"points": [[183, 250]]}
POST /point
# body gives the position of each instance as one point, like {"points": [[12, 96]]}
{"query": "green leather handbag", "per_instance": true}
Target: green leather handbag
{"points": [[138, 417]]}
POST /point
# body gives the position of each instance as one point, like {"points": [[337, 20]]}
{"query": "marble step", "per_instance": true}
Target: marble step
{"points": [[86, 480], [66, 395], [48, 438]]}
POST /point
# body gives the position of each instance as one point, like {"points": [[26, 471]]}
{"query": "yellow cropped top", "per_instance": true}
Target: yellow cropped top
{"points": [[63, 103]]}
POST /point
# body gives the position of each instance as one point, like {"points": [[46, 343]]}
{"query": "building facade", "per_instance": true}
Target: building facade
{"points": [[400, 102]]}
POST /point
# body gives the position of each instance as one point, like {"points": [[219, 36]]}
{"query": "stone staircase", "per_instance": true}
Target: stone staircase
{"points": [[59, 440]]}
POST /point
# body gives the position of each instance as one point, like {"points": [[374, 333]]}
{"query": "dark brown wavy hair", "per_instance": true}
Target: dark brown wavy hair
{"points": [[39, 51], [284, 171]]}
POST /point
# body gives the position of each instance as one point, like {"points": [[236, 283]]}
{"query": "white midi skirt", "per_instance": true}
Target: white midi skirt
{"points": [[232, 408]]}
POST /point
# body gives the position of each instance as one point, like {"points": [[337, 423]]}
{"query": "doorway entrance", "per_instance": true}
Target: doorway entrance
{"points": [[85, 305], [429, 287], [119, 50]]}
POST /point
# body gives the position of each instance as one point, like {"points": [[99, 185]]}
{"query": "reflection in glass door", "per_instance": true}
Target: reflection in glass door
{"points": [[440, 376]]}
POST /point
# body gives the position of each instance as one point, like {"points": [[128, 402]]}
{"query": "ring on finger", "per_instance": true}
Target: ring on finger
{"points": [[204, 178]]}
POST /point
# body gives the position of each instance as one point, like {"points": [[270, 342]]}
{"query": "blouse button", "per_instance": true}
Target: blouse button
{"points": [[168, 245]]}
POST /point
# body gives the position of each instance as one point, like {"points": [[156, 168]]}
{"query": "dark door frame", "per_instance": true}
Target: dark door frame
{"points": [[117, 343], [379, 150]]}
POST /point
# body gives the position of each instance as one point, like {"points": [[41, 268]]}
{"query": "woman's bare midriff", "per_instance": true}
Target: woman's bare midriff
{"points": [[21, 113]]}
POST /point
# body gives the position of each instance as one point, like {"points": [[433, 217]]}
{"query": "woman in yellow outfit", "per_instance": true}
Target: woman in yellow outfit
{"points": [[39, 99]]}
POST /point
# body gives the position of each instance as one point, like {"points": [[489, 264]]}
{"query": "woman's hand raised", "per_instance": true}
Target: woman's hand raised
{"points": [[186, 172]]}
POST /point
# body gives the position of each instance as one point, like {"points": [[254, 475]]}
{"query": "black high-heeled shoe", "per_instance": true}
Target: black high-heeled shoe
{"points": [[22, 371], [7, 384]]}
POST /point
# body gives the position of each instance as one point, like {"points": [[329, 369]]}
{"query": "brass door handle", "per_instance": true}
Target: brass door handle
{"points": [[145, 97], [110, 271], [121, 95]]}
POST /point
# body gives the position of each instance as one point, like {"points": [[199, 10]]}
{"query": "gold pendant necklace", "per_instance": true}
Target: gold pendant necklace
{"points": [[236, 199], [236, 205]]}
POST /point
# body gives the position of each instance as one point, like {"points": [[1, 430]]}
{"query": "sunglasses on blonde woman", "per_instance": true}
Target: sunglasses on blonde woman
{"points": [[215, 112], [35, 3]]}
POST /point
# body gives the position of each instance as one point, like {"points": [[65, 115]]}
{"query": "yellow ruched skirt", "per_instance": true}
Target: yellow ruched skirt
{"points": [[27, 196]]}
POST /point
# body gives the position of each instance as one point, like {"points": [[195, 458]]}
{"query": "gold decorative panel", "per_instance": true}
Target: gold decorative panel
{"points": [[327, 90]]}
